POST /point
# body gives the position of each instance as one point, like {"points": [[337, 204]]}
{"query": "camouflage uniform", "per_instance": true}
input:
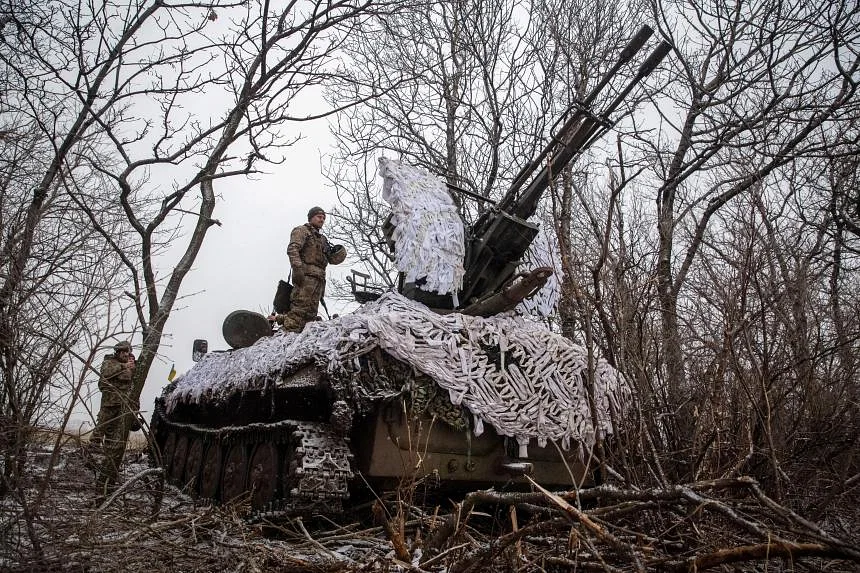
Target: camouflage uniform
{"points": [[117, 412], [309, 255]]}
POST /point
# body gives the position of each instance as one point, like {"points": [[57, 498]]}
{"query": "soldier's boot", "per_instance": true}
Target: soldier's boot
{"points": [[92, 460], [106, 478]]}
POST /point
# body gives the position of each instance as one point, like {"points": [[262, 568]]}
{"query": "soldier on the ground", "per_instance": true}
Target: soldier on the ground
{"points": [[309, 252], [118, 409]]}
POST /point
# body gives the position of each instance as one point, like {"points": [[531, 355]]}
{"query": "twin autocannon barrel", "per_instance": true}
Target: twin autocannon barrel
{"points": [[502, 235]]}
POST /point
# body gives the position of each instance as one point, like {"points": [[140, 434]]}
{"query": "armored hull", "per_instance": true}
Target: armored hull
{"points": [[393, 391]]}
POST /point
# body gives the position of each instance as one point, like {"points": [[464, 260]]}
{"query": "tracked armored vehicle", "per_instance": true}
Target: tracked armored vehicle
{"points": [[415, 384], [392, 390]]}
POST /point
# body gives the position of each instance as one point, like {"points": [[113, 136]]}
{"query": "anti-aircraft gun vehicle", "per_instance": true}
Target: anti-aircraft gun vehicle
{"points": [[414, 384]]}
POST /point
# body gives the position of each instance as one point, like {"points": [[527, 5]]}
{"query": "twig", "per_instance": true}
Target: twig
{"points": [[316, 543], [395, 534], [812, 529], [445, 553], [598, 531], [124, 487], [784, 549], [478, 557]]}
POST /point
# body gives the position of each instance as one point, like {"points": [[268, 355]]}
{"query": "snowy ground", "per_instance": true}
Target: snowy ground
{"points": [[716, 525], [149, 527]]}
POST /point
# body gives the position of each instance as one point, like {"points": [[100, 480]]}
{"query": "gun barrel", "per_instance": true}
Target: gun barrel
{"points": [[635, 44], [630, 50], [654, 59], [501, 236], [570, 133]]}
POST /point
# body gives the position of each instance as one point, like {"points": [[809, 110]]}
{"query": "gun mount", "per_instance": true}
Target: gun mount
{"points": [[497, 242]]}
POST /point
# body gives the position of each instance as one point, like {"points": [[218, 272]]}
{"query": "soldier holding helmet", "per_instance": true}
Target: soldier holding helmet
{"points": [[309, 252]]}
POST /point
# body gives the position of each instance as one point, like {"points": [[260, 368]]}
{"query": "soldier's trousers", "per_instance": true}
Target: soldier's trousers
{"points": [[115, 417], [304, 304]]}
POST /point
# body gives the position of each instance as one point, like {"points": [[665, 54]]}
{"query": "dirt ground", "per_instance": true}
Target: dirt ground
{"points": [[63, 524], [148, 526]]}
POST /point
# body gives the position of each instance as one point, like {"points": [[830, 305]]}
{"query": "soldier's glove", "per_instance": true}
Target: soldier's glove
{"points": [[298, 277]]}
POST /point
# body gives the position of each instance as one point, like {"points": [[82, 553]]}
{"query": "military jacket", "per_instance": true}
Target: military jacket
{"points": [[114, 371], [307, 250]]}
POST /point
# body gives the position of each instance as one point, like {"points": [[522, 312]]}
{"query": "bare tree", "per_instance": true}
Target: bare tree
{"points": [[750, 167], [61, 299], [460, 96], [125, 81], [760, 84], [577, 45]]}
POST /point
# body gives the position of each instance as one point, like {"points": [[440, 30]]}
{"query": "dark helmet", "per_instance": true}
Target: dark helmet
{"points": [[315, 211], [336, 254], [122, 345]]}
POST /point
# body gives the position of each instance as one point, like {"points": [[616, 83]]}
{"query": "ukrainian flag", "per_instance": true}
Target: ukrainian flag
{"points": [[172, 374]]}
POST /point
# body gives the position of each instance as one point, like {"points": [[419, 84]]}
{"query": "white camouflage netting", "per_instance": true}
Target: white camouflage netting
{"points": [[543, 252], [429, 236], [516, 375]]}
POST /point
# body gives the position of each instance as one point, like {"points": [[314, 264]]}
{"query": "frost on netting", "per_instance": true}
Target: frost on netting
{"points": [[543, 252], [428, 234], [524, 380]]}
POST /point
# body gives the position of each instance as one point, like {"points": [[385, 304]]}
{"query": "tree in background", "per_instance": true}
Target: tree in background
{"points": [[61, 309], [143, 109], [460, 95], [712, 255], [577, 45], [761, 90]]}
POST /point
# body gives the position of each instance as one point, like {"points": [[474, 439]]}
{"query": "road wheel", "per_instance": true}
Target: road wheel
{"points": [[235, 474], [263, 475], [193, 464], [210, 474], [167, 452], [180, 455]]}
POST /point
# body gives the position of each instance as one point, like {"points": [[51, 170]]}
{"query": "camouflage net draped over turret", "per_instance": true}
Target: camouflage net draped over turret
{"points": [[514, 374], [428, 230], [543, 252]]}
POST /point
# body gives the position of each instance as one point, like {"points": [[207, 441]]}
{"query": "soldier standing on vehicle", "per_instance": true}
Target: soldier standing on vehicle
{"points": [[115, 385], [309, 252]]}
